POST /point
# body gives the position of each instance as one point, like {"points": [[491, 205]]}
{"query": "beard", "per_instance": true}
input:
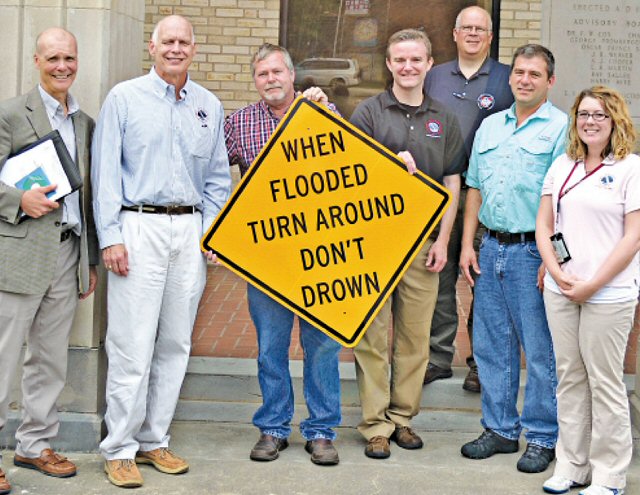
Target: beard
{"points": [[274, 96]]}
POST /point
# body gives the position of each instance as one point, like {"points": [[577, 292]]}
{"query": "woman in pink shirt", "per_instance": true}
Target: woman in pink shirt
{"points": [[588, 233]]}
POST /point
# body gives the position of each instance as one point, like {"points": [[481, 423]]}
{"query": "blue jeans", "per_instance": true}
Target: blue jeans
{"points": [[321, 380], [509, 313]]}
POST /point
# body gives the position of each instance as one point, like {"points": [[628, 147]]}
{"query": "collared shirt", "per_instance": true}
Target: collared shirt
{"points": [[591, 220], [430, 133], [508, 165], [471, 100], [64, 125], [248, 129], [150, 149]]}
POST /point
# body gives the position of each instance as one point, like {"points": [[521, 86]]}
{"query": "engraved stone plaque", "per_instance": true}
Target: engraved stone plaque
{"points": [[594, 42]]}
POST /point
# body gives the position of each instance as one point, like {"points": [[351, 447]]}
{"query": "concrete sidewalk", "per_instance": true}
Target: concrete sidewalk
{"points": [[218, 448], [219, 458]]}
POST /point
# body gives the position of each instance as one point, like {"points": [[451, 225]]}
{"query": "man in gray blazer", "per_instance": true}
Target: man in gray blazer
{"points": [[48, 253]]}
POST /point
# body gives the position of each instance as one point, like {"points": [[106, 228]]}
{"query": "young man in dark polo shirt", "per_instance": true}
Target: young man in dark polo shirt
{"points": [[428, 138]]}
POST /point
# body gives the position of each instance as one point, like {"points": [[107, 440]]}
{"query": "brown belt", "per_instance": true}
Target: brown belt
{"points": [[162, 210]]}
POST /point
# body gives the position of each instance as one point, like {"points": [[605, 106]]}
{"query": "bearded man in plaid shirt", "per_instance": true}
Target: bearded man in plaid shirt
{"points": [[246, 132]]}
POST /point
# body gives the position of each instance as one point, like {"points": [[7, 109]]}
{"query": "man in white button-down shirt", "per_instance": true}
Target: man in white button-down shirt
{"points": [[161, 176]]}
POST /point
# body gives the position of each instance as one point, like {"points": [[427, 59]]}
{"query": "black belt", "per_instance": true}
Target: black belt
{"points": [[509, 238], [64, 235], [162, 210]]}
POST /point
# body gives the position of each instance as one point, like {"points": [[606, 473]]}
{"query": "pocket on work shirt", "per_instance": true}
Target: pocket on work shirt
{"points": [[535, 159]]}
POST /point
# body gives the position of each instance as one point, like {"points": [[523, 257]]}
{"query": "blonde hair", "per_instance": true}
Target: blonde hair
{"points": [[623, 134]]}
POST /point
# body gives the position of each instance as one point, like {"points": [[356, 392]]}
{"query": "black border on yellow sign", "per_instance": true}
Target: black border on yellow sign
{"points": [[385, 292]]}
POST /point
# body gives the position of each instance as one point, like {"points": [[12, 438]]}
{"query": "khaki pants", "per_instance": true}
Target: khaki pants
{"points": [[387, 404], [590, 341], [44, 321]]}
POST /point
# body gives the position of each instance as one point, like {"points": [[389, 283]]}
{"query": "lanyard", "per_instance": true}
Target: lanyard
{"points": [[563, 192]]}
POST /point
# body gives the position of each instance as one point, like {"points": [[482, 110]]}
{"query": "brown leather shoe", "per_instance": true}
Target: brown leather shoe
{"points": [[5, 487], [434, 373], [322, 452], [378, 448], [123, 473], [163, 460], [49, 463], [268, 448], [406, 438], [472, 381]]}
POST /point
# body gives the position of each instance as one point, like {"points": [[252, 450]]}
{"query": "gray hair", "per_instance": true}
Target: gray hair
{"points": [[265, 51]]}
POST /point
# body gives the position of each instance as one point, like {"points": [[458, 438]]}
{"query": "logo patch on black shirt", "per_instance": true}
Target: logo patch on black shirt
{"points": [[434, 128], [486, 101]]}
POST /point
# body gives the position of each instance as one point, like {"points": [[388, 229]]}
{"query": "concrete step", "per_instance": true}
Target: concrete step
{"points": [[235, 380], [227, 389]]}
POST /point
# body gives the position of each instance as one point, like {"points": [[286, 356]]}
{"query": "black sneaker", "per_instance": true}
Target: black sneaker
{"points": [[487, 444], [536, 459]]}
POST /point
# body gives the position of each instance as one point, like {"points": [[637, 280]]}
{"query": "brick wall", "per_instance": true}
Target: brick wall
{"points": [[519, 24], [228, 32]]}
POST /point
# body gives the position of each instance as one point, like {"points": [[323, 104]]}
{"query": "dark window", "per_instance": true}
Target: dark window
{"points": [[359, 29]]}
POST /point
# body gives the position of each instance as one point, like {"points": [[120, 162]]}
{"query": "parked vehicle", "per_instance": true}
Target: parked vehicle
{"points": [[327, 72]]}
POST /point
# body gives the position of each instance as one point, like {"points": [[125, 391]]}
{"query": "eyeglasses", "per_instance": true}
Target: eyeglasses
{"points": [[460, 96], [471, 29], [597, 116]]}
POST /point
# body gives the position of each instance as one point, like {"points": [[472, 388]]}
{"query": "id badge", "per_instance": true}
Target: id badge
{"points": [[560, 248]]}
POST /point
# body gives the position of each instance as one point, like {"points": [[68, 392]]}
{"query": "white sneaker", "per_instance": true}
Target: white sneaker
{"points": [[559, 484], [601, 490]]}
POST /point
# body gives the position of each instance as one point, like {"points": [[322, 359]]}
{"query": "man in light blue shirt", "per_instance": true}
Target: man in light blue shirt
{"points": [[511, 153], [161, 176]]}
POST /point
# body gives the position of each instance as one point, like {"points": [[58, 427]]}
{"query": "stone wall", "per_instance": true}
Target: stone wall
{"points": [[105, 30]]}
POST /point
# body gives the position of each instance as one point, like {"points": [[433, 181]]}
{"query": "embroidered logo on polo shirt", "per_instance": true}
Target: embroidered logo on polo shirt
{"points": [[434, 128], [486, 101], [607, 181], [202, 116]]}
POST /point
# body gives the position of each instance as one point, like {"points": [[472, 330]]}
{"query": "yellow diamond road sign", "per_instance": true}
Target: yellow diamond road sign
{"points": [[326, 221]]}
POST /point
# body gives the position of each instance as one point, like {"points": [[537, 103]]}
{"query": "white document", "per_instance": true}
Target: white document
{"points": [[39, 166]]}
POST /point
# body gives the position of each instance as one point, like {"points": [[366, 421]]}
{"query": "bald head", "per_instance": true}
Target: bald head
{"points": [[56, 59], [168, 21], [173, 47], [52, 35], [474, 11], [472, 34]]}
